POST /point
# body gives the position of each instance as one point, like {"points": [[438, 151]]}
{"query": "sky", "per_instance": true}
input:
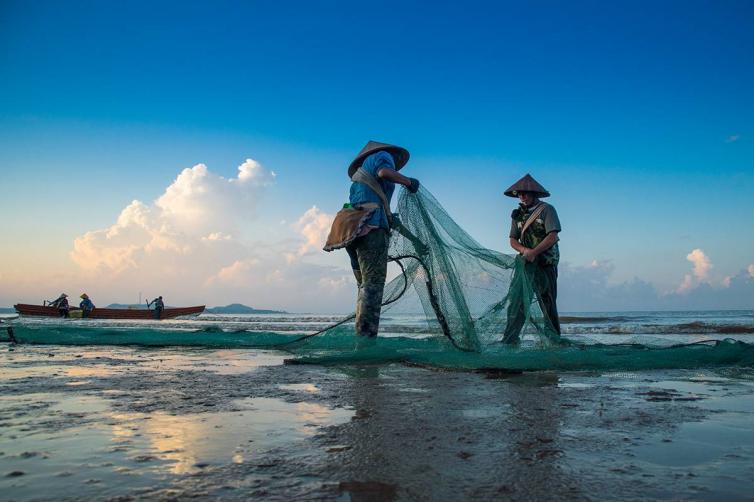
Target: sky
{"points": [[198, 150]]}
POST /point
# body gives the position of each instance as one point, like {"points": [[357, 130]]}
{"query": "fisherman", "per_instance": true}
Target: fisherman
{"points": [[534, 234], [61, 303], [363, 225], [86, 305], [159, 306]]}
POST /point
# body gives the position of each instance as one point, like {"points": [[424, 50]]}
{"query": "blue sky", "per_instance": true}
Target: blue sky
{"points": [[637, 116]]}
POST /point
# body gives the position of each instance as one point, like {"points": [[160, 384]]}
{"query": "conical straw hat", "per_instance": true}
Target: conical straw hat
{"points": [[527, 184], [400, 155]]}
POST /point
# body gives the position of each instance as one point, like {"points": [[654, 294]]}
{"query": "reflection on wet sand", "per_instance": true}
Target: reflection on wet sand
{"points": [[189, 442]]}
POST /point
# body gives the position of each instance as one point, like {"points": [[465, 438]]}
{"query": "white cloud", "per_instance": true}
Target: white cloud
{"points": [[188, 246], [750, 270], [197, 209], [314, 226], [587, 288], [201, 202], [238, 273], [686, 285], [702, 264], [732, 138], [217, 236]]}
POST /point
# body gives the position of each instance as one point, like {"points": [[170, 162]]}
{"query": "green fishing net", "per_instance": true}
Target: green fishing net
{"points": [[469, 294]]}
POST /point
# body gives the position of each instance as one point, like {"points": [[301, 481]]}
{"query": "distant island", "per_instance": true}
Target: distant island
{"points": [[237, 308], [7, 310], [131, 306]]}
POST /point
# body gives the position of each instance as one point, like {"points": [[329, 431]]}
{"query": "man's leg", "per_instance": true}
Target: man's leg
{"points": [[371, 250], [515, 314], [351, 250], [352, 255], [548, 294]]}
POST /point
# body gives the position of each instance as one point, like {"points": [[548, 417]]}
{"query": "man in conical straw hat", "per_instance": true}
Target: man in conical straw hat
{"points": [[374, 173], [534, 234]]}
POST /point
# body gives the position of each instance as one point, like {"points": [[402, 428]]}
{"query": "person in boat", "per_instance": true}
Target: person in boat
{"points": [[86, 305], [61, 303], [363, 225], [159, 306], [534, 234]]}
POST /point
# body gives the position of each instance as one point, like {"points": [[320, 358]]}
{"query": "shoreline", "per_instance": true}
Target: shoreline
{"points": [[109, 422]]}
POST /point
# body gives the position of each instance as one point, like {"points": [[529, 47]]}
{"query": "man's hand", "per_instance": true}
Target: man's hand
{"points": [[529, 255], [413, 187]]}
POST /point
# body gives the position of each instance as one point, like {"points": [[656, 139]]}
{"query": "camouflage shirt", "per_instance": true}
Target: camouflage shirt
{"points": [[546, 222]]}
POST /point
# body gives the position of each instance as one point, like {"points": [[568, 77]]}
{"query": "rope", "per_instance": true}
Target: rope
{"points": [[432, 300], [352, 316]]}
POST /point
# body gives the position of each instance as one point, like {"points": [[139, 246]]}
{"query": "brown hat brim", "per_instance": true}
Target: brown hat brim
{"points": [[400, 155], [527, 184], [514, 193]]}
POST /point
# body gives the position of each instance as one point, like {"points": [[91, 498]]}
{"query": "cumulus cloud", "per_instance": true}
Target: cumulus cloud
{"points": [[588, 288], [199, 208], [686, 285], [702, 264], [314, 226], [281, 283], [199, 201], [700, 272], [732, 138], [189, 246], [750, 270]]}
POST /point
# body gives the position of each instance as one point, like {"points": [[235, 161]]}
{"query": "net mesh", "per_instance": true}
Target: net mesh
{"points": [[469, 294]]}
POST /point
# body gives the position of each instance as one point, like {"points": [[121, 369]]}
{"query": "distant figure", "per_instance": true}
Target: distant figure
{"points": [[86, 305], [534, 234], [159, 306], [61, 303]]}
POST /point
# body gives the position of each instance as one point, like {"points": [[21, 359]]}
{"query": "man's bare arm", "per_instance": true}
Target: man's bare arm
{"points": [[394, 176], [548, 242], [518, 246]]}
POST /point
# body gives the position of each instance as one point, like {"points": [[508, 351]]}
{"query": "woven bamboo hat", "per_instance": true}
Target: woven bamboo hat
{"points": [[527, 184], [400, 155]]}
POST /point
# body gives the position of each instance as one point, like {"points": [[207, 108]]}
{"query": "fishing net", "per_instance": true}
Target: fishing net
{"points": [[470, 295]]}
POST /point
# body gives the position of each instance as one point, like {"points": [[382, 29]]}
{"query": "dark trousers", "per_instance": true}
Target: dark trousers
{"points": [[369, 262], [546, 289], [85, 313], [158, 312], [63, 313]]}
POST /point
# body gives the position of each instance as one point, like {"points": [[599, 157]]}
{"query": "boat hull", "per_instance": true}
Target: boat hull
{"points": [[168, 313]]}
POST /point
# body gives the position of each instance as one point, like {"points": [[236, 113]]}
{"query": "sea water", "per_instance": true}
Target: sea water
{"points": [[196, 408], [593, 340]]}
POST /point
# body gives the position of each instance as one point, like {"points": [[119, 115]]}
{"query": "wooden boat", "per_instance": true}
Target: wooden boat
{"points": [[98, 313]]}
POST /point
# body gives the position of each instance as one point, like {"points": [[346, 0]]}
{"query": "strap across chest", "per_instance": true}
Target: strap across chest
{"points": [[362, 176], [532, 218]]}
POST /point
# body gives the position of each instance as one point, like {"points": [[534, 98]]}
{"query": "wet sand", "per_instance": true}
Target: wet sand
{"points": [[129, 423]]}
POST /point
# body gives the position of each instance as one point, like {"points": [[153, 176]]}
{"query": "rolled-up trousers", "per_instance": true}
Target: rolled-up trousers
{"points": [[368, 256]]}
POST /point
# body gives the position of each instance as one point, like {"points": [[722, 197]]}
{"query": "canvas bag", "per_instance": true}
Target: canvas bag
{"points": [[350, 221]]}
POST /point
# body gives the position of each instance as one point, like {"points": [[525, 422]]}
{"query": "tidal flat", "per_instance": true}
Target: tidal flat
{"points": [[132, 423]]}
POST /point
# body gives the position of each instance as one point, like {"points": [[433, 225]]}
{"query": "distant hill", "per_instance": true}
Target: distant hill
{"points": [[237, 308], [133, 306], [7, 310]]}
